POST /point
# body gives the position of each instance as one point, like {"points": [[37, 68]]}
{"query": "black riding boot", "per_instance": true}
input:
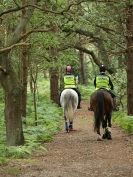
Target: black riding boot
{"points": [[79, 98], [79, 101]]}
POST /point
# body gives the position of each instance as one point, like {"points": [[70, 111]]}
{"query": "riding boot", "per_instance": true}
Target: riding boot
{"points": [[90, 108], [79, 101], [78, 107]]}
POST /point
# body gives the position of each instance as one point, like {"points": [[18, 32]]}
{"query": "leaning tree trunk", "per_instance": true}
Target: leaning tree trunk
{"points": [[130, 60], [12, 88]]}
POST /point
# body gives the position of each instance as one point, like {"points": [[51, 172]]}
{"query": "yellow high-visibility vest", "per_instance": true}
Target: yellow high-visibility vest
{"points": [[69, 81], [102, 81]]}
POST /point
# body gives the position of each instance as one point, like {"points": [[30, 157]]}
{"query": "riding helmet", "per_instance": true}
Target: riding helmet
{"points": [[102, 68], [69, 69]]}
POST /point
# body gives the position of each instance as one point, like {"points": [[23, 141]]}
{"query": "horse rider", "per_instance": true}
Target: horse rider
{"points": [[70, 81], [103, 81]]}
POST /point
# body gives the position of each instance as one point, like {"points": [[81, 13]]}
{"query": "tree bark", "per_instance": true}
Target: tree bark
{"points": [[81, 58], [12, 86], [13, 90], [14, 132], [130, 60], [54, 88], [24, 69]]}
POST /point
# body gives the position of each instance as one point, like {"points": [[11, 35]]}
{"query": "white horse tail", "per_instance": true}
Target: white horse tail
{"points": [[69, 102], [68, 109]]}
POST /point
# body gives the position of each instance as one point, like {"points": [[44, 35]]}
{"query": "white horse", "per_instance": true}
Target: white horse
{"points": [[69, 103]]}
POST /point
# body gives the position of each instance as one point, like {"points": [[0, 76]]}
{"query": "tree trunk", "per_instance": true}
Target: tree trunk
{"points": [[13, 89], [24, 75], [12, 86], [130, 60], [34, 91], [54, 88], [24, 68], [81, 57], [14, 132]]}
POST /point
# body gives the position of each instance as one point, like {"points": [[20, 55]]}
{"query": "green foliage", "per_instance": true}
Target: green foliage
{"points": [[120, 87], [3, 160], [86, 91], [124, 121]]}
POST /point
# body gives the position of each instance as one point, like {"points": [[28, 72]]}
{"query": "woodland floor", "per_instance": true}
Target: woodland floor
{"points": [[78, 154]]}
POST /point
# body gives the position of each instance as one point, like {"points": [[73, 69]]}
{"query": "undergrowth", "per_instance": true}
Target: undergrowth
{"points": [[86, 91], [123, 121], [49, 117]]}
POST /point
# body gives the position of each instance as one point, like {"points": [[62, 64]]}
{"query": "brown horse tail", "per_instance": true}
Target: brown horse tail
{"points": [[99, 113]]}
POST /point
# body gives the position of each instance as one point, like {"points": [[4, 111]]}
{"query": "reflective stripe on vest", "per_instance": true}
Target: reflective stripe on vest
{"points": [[69, 81], [102, 81]]}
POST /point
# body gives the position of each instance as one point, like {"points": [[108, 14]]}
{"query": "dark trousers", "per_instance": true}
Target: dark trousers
{"points": [[79, 96], [112, 93]]}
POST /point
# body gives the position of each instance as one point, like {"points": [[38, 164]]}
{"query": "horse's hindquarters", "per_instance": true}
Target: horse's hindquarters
{"points": [[69, 102]]}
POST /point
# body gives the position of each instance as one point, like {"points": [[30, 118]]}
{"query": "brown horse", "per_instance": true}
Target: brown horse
{"points": [[101, 104]]}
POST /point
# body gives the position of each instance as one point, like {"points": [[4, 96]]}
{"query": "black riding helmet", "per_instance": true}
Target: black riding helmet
{"points": [[102, 68]]}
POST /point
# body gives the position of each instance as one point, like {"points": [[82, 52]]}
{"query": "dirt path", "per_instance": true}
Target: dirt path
{"points": [[78, 154]]}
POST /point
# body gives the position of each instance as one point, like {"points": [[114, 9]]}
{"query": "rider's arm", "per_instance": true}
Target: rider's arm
{"points": [[95, 82], [111, 84]]}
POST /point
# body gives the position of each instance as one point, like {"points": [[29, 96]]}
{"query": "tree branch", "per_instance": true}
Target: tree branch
{"points": [[18, 8], [82, 32], [90, 52], [34, 31], [12, 46], [95, 59]]}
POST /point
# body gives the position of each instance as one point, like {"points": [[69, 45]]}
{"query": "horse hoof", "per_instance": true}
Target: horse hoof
{"points": [[67, 131], [99, 139], [109, 137], [104, 136]]}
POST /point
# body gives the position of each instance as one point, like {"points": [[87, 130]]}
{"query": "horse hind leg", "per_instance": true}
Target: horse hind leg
{"points": [[107, 133], [70, 126], [107, 129], [99, 137], [66, 125], [104, 126], [109, 136]]}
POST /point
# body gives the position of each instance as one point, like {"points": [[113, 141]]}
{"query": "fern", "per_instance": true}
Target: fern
{"points": [[124, 121]]}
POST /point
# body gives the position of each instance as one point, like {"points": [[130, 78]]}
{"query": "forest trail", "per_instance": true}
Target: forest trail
{"points": [[78, 154]]}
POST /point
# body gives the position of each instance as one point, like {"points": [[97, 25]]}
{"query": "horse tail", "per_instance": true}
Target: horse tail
{"points": [[68, 108], [99, 113]]}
